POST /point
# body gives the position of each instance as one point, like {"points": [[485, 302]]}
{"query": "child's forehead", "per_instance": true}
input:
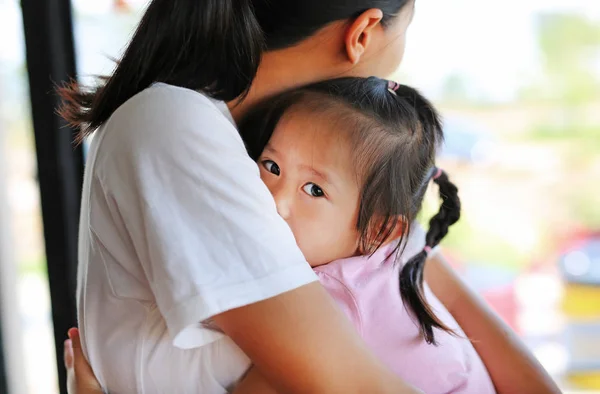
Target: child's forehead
{"points": [[309, 140], [319, 127]]}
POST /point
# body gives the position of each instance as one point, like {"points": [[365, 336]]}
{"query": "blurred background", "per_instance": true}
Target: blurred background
{"points": [[518, 83]]}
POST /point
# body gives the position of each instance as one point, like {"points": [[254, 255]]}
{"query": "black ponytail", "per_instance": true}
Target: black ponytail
{"points": [[208, 45], [411, 275]]}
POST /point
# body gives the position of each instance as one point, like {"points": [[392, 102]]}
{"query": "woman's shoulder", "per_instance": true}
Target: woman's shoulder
{"points": [[164, 97], [165, 115], [163, 106]]}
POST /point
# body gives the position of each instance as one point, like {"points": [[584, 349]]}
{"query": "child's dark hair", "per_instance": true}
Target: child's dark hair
{"points": [[394, 132]]}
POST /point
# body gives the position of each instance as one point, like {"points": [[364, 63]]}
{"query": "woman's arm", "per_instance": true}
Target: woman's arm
{"points": [[299, 340], [302, 343], [316, 352], [512, 367], [310, 350]]}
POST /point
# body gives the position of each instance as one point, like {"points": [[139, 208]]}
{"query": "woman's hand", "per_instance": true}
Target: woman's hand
{"points": [[511, 366], [80, 378]]}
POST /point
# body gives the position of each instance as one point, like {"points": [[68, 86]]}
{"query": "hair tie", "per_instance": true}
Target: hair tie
{"points": [[438, 173], [427, 250], [393, 86]]}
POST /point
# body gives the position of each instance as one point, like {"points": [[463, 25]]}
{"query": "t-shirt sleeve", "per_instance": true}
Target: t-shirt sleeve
{"points": [[202, 223]]}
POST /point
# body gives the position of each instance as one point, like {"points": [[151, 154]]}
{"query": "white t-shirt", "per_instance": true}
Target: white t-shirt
{"points": [[176, 227]]}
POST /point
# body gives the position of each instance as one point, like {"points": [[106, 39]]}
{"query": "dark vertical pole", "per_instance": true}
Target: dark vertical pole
{"points": [[51, 60]]}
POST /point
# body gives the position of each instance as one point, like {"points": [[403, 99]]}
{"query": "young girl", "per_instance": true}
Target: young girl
{"points": [[348, 162]]}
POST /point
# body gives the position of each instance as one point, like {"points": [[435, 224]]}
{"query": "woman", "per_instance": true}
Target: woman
{"points": [[178, 235], [187, 274]]}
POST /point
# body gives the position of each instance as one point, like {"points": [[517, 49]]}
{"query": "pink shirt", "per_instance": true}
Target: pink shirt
{"points": [[367, 290]]}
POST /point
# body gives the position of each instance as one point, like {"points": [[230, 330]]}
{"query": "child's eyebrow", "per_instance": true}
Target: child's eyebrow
{"points": [[324, 177], [270, 149]]}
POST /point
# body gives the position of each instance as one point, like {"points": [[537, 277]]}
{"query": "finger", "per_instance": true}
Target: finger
{"points": [[80, 363], [73, 334], [83, 374], [68, 354]]}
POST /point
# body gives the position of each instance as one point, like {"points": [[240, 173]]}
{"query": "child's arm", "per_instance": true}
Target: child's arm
{"points": [[254, 383], [512, 367]]}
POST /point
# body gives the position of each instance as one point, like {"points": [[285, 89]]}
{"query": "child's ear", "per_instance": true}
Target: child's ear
{"points": [[396, 226]]}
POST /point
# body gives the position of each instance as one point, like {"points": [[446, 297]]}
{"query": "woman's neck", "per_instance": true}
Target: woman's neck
{"points": [[285, 69]]}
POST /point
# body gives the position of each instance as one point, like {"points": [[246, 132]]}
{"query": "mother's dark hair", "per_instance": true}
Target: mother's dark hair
{"points": [[212, 46]]}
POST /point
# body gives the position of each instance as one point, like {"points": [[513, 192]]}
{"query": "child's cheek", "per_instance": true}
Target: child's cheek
{"points": [[313, 234]]}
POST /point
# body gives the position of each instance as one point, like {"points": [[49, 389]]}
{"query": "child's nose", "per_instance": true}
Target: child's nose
{"points": [[283, 203]]}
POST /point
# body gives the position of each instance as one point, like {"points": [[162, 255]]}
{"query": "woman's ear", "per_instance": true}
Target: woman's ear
{"points": [[396, 227], [360, 33]]}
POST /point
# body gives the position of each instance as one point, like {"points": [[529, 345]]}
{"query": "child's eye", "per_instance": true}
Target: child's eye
{"points": [[272, 167], [313, 190]]}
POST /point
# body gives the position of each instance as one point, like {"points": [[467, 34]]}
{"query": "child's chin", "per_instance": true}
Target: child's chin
{"points": [[316, 263]]}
